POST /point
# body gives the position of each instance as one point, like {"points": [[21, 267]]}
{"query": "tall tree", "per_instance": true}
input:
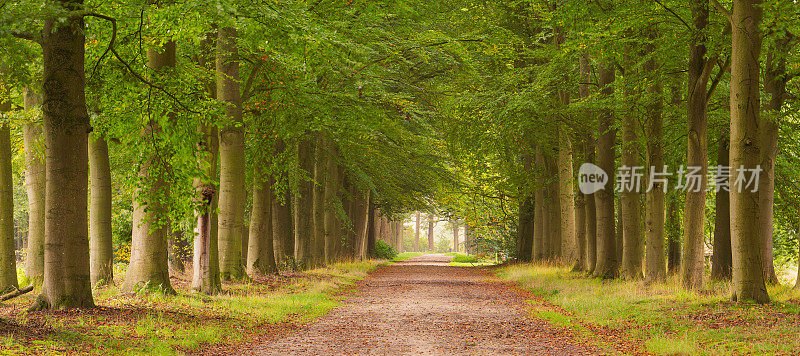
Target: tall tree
{"points": [[35, 188], [416, 232], [746, 237], [630, 200], [721, 257], [66, 122], [455, 235], [606, 263], [231, 157], [304, 205], [430, 232], [101, 256], [260, 250], [566, 189], [655, 254], [148, 262], [8, 260], [699, 70]]}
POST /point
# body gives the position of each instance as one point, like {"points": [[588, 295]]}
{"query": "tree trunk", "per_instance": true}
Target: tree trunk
{"points": [[372, 227], [553, 209], [606, 264], [775, 86], [318, 215], [205, 266], [673, 236], [468, 248], [430, 233], [66, 122], [231, 158], [455, 236], [101, 255], [148, 266], [8, 260], [416, 233], [304, 205], [591, 215], [721, 259], [797, 280], [566, 188], [360, 213], [260, 249], [525, 228], [655, 256], [631, 200], [580, 233], [330, 193], [692, 267], [746, 238], [35, 188]]}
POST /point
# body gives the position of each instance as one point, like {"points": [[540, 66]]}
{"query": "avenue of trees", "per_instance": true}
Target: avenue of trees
{"points": [[246, 137]]}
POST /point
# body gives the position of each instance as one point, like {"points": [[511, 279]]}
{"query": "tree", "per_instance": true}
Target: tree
{"points": [[8, 260], [66, 123], [697, 154], [416, 232], [655, 254], [745, 153], [260, 250], [606, 263], [304, 205], [148, 267], [430, 232], [721, 258], [231, 157], [35, 188], [101, 257]]}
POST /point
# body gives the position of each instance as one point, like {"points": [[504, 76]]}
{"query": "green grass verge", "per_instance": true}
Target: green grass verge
{"points": [[165, 324], [664, 318], [406, 255]]}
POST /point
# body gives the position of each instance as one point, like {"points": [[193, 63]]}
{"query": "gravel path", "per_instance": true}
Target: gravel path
{"points": [[422, 306]]}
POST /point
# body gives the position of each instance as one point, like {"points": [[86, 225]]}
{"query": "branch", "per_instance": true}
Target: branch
{"points": [[722, 69], [248, 86], [721, 9], [27, 36], [16, 293], [675, 14], [128, 66]]}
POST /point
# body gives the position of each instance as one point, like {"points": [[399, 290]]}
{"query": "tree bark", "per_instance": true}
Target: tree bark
{"points": [[66, 122], [775, 87], [455, 236], [148, 266], [205, 251], [673, 236], [746, 237], [721, 258], [260, 249], [361, 212], [330, 194], [304, 206], [35, 188], [430, 233], [318, 215], [372, 227], [101, 256], [8, 260], [526, 216], [655, 254], [566, 188], [606, 263], [231, 158], [416, 232], [692, 267], [631, 200]]}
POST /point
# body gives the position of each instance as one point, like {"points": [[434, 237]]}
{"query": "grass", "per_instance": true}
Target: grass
{"points": [[164, 324], [462, 260], [406, 255], [664, 318]]}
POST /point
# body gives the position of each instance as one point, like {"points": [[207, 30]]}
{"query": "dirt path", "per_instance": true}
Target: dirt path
{"points": [[424, 307]]}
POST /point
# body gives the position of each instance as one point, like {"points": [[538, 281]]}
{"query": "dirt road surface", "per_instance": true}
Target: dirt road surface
{"points": [[422, 306]]}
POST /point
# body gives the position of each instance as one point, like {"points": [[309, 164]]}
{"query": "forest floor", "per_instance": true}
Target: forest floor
{"points": [[245, 312], [422, 305], [663, 318]]}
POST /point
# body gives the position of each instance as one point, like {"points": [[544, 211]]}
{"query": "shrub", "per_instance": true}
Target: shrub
{"points": [[383, 251], [464, 258]]}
